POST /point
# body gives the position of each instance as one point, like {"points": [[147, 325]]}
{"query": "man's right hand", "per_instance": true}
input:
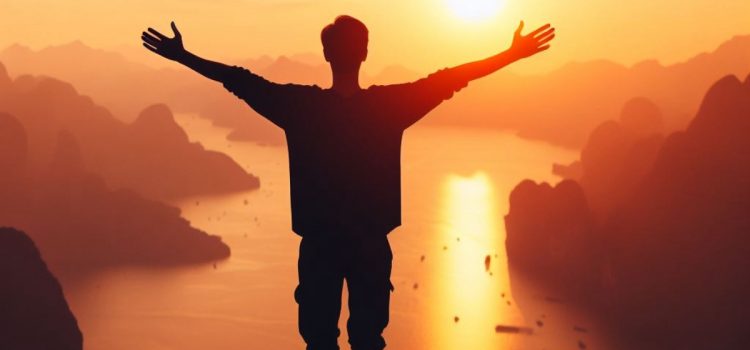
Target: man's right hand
{"points": [[170, 48]]}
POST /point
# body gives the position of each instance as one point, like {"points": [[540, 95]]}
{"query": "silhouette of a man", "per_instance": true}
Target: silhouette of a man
{"points": [[344, 160]]}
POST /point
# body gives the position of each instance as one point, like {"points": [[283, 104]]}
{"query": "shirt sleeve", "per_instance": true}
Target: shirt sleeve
{"points": [[409, 102], [276, 102]]}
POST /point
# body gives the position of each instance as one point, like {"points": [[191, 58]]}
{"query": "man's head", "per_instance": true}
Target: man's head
{"points": [[345, 42]]}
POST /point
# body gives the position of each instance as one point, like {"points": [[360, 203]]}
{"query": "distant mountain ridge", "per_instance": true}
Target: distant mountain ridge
{"points": [[563, 106], [74, 218], [77, 179], [560, 107], [152, 156]]}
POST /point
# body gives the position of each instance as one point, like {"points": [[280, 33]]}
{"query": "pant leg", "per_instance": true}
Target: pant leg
{"points": [[368, 279], [319, 294]]}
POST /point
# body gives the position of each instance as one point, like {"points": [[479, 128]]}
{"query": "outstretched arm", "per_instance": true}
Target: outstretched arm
{"points": [[270, 100], [412, 101], [523, 46], [173, 49]]}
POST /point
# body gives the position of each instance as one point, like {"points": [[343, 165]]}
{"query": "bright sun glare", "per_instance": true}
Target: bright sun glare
{"points": [[475, 10]]}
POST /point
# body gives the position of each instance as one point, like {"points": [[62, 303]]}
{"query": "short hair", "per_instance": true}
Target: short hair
{"points": [[345, 37]]}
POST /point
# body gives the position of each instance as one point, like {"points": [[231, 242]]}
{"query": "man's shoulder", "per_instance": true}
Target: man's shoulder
{"points": [[243, 77], [304, 89], [389, 89], [307, 87]]}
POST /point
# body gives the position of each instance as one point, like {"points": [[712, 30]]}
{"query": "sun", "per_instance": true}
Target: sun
{"points": [[475, 10]]}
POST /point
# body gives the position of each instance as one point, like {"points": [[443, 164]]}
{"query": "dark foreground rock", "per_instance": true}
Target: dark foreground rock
{"points": [[33, 312]]}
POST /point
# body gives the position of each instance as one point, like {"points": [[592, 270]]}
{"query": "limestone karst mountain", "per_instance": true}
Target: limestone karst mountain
{"points": [[152, 155], [75, 219], [674, 250]]}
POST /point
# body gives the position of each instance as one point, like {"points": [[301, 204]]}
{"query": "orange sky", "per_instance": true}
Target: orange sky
{"points": [[420, 34]]}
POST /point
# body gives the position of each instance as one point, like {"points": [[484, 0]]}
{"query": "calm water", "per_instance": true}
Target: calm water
{"points": [[456, 184]]}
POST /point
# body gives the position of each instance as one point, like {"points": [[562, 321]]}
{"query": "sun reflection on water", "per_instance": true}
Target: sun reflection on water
{"points": [[468, 294]]}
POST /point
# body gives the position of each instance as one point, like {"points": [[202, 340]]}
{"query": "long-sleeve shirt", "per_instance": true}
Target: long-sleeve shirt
{"points": [[344, 151]]}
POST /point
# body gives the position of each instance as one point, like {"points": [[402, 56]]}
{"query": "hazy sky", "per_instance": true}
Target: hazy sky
{"points": [[421, 34]]}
